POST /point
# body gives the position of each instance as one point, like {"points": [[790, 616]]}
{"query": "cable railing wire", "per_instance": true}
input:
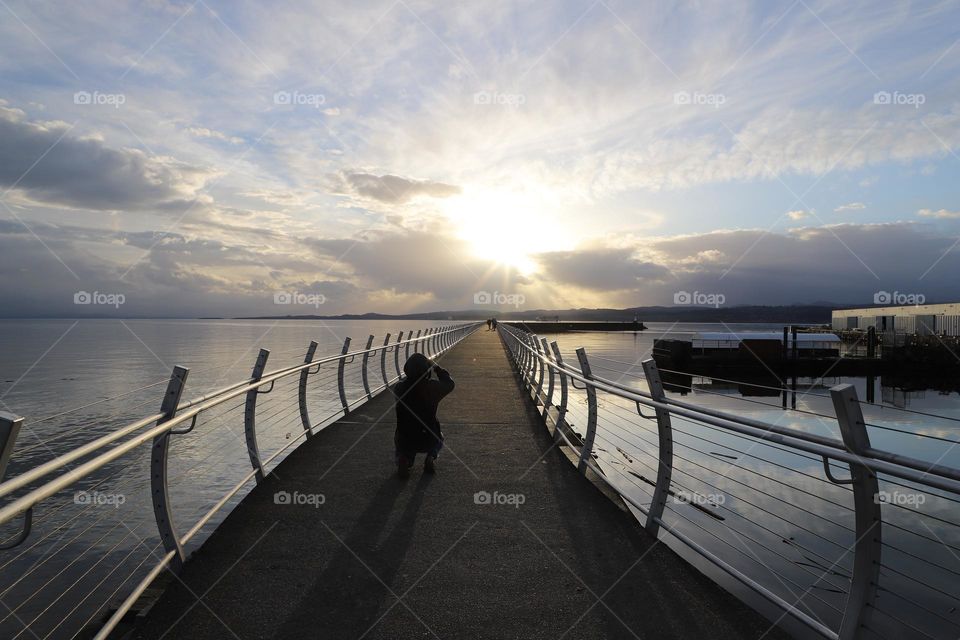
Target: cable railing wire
{"points": [[780, 518], [815, 395]]}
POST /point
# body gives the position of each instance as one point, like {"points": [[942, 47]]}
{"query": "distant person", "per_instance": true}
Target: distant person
{"points": [[494, 321], [489, 324], [417, 397]]}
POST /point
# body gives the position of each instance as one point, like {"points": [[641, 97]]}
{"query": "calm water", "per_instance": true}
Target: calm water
{"points": [[768, 511]]}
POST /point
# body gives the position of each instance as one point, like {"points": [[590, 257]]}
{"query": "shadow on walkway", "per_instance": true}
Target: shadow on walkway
{"points": [[355, 583]]}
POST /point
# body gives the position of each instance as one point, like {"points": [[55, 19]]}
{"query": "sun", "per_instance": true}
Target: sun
{"points": [[505, 227], [501, 245]]}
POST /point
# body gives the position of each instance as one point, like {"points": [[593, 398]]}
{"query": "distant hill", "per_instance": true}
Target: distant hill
{"points": [[801, 314]]}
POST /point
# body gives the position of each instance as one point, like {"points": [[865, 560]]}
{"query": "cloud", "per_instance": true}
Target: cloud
{"points": [[840, 263], [416, 262], [850, 206], [390, 189], [939, 213], [49, 164], [159, 274], [797, 215], [600, 269], [203, 132], [400, 270], [843, 263]]}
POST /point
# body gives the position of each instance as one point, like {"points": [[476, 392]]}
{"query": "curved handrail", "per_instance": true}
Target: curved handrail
{"points": [[947, 478], [194, 407]]}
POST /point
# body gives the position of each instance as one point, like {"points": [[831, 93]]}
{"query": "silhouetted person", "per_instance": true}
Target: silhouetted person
{"points": [[417, 398], [494, 321], [489, 324]]}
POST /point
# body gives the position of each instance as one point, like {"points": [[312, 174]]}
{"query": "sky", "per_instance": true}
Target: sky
{"points": [[203, 158]]}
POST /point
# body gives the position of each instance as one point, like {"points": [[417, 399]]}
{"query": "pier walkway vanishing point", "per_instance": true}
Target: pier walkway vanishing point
{"points": [[502, 542]]}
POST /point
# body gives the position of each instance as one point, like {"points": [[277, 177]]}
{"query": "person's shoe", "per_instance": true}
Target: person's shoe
{"points": [[403, 467], [429, 466]]}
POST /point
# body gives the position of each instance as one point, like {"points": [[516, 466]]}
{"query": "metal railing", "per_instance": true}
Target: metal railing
{"points": [[263, 403], [791, 541]]}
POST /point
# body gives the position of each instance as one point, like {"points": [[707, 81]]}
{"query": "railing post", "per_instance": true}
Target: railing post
{"points": [[522, 362], [416, 343], [562, 409], [341, 365], [383, 360], [302, 391], [9, 430], [159, 489], [531, 362], [665, 453], [548, 401], [515, 346], [522, 356], [427, 340], [540, 367], [396, 354], [866, 555], [586, 449], [250, 415], [363, 371]]}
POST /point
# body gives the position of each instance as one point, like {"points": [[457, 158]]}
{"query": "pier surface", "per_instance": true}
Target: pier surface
{"points": [[419, 558]]}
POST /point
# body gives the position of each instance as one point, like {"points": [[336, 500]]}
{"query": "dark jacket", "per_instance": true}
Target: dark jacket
{"points": [[417, 399]]}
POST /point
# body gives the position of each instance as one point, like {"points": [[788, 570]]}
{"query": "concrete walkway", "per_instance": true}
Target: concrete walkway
{"points": [[387, 558]]}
